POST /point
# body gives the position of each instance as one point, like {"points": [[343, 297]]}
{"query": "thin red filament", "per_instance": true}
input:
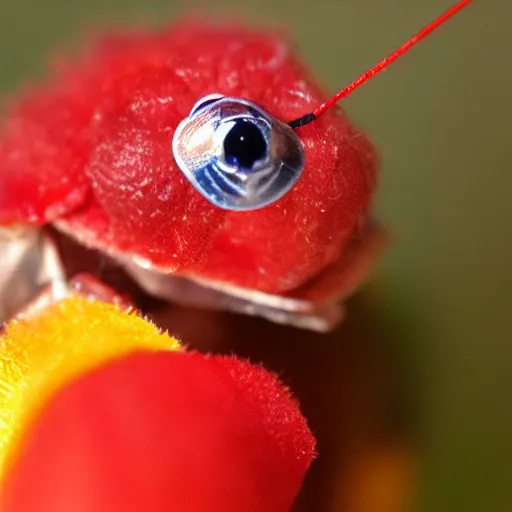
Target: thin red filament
{"points": [[381, 65]]}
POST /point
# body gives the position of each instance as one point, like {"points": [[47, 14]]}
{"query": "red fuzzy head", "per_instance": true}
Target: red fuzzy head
{"points": [[93, 151]]}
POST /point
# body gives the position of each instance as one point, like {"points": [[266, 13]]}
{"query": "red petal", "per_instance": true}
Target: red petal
{"points": [[166, 431]]}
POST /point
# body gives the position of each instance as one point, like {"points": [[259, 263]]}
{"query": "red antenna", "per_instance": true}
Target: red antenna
{"points": [[308, 118]]}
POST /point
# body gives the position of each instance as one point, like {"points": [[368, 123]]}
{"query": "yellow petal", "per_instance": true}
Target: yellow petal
{"points": [[38, 357]]}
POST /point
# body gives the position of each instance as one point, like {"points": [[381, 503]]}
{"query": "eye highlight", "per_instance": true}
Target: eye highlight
{"points": [[236, 155]]}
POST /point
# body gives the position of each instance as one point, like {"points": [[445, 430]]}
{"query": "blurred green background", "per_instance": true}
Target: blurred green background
{"points": [[441, 120]]}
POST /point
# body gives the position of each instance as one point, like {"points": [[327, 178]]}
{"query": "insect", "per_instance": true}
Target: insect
{"points": [[207, 163]]}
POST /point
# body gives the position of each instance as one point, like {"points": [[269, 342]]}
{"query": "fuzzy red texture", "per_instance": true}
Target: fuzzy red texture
{"points": [[94, 150], [165, 431]]}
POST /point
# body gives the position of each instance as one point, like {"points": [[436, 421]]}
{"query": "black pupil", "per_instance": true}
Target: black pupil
{"points": [[244, 144]]}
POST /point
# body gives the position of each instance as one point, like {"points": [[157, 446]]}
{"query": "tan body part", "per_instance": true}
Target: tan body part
{"points": [[32, 275]]}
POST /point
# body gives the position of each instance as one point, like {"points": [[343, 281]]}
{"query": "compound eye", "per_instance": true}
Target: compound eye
{"points": [[237, 155]]}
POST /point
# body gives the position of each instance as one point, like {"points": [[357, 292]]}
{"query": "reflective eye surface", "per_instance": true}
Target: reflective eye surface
{"points": [[237, 155]]}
